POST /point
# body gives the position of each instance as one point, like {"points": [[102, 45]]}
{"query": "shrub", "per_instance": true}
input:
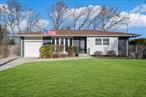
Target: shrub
{"points": [[98, 53], [72, 50], [59, 55], [111, 53], [138, 41], [59, 48], [46, 51], [12, 42]]}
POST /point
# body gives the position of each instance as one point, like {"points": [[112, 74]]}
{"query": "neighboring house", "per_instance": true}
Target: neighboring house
{"points": [[87, 41]]}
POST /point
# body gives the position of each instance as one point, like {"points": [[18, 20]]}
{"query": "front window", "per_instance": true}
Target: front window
{"points": [[47, 40], [66, 43], [61, 41], [53, 41], [105, 41], [70, 41], [98, 41], [57, 41]]}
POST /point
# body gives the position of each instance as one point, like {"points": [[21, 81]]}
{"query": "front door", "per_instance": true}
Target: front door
{"points": [[80, 42], [82, 46]]}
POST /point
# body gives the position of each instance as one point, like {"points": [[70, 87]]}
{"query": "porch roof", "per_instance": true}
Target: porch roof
{"points": [[77, 33]]}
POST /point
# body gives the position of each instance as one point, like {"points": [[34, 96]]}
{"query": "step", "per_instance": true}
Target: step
{"points": [[83, 55]]}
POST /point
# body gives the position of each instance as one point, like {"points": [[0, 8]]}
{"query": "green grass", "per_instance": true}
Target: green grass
{"points": [[76, 78]]}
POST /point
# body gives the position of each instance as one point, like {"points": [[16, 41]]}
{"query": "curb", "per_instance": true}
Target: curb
{"points": [[8, 61]]}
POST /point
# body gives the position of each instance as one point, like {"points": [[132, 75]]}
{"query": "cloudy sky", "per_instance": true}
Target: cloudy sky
{"points": [[136, 9]]}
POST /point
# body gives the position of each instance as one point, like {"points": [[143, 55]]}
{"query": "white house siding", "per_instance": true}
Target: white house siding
{"points": [[92, 48], [32, 46]]}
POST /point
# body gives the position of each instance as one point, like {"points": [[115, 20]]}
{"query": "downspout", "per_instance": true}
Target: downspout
{"points": [[21, 47], [118, 46], [127, 47]]}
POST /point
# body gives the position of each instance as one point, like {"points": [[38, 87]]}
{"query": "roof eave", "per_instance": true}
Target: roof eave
{"points": [[131, 36]]}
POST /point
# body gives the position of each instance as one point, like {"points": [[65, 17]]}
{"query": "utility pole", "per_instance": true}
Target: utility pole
{"points": [[127, 29]]}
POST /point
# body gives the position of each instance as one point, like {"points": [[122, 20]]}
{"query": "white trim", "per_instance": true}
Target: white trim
{"points": [[51, 40], [118, 46], [64, 44], [68, 41], [21, 43], [127, 48], [32, 40], [76, 35]]}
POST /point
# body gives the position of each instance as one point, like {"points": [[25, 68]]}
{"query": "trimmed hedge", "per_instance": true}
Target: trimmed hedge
{"points": [[138, 41], [46, 51], [59, 48], [111, 53], [98, 53], [50, 51], [72, 50]]}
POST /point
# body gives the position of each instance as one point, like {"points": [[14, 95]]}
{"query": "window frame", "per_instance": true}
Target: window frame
{"points": [[57, 41], [106, 41], [97, 42], [47, 41], [71, 41], [61, 41]]}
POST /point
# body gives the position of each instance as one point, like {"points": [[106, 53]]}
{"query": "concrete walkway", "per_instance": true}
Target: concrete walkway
{"points": [[12, 55], [7, 60], [20, 61]]}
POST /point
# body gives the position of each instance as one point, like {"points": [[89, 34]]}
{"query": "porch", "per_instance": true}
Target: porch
{"points": [[79, 42]]}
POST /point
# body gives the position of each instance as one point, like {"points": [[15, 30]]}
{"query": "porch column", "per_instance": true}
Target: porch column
{"points": [[127, 48], [59, 41], [68, 41], [21, 46], [64, 45], [72, 42]]}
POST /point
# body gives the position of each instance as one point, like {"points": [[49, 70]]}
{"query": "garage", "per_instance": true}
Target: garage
{"points": [[31, 48]]}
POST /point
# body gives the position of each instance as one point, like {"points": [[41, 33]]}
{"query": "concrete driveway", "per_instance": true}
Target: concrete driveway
{"points": [[20, 61]]}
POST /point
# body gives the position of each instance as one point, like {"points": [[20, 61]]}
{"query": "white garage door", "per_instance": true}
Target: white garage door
{"points": [[31, 48]]}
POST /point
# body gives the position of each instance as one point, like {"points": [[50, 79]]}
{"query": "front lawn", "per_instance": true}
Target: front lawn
{"points": [[76, 78]]}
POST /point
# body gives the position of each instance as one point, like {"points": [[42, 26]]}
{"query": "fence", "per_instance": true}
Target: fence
{"points": [[137, 51], [4, 52], [9, 50]]}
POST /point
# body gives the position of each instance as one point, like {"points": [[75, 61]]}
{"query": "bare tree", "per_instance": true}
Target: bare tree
{"points": [[17, 11], [13, 15], [3, 34], [76, 17], [56, 14], [87, 14], [103, 19], [3, 41], [32, 21], [108, 19], [3, 29], [7, 18]]}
